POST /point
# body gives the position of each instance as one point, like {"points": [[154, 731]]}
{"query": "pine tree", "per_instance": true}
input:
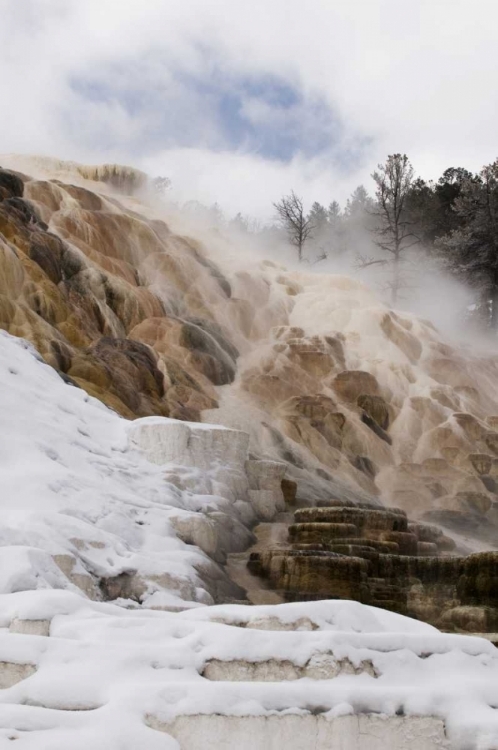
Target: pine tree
{"points": [[359, 204], [338, 236], [471, 251], [333, 212], [318, 217]]}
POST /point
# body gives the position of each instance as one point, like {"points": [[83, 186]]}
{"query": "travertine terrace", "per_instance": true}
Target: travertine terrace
{"points": [[375, 556], [114, 536], [361, 402]]}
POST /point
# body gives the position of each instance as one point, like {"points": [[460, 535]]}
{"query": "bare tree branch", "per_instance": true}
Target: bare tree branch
{"points": [[291, 216], [361, 261], [394, 181], [323, 255]]}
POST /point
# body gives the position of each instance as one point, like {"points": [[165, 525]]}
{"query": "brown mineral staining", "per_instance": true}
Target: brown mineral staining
{"points": [[474, 501], [142, 317], [11, 185], [351, 384], [306, 533], [374, 520], [124, 179], [289, 491], [392, 325], [376, 408], [374, 562], [491, 440], [481, 463], [82, 292]]}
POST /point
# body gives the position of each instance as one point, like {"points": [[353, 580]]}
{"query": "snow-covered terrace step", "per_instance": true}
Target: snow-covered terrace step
{"points": [[11, 673], [321, 666], [308, 732], [20, 651], [491, 637], [138, 663], [30, 627], [188, 443]]}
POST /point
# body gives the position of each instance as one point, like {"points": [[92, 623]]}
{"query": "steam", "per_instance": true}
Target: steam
{"points": [[237, 246], [429, 292]]}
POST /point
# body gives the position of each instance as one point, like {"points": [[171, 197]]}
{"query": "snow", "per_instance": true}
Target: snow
{"points": [[73, 491], [83, 501], [114, 667]]}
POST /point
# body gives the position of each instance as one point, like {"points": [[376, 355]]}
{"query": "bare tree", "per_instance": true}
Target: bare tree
{"points": [[393, 227], [291, 216]]}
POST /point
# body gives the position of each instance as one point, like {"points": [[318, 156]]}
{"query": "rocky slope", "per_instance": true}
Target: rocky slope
{"points": [[360, 401], [107, 572], [115, 527]]}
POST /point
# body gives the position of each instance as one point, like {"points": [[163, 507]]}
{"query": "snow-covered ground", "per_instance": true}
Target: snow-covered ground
{"points": [[75, 496], [86, 504], [115, 679], [90, 512]]}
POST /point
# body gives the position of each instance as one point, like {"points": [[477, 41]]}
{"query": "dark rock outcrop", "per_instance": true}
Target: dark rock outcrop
{"points": [[374, 556], [11, 186]]}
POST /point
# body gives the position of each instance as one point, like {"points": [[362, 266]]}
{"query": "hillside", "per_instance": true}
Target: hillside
{"points": [[166, 408], [357, 399], [106, 640]]}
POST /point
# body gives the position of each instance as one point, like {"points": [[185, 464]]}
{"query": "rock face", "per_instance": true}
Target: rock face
{"points": [[214, 460], [108, 639], [360, 402], [366, 732], [80, 278], [376, 557]]}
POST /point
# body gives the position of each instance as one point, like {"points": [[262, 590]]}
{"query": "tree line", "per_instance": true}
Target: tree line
{"points": [[453, 219], [451, 222]]}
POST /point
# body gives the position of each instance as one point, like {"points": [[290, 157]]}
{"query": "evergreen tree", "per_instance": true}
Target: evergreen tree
{"points": [[447, 190], [333, 212], [471, 250], [360, 203], [337, 228], [318, 218]]}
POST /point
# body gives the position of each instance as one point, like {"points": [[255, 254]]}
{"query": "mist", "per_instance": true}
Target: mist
{"points": [[244, 242]]}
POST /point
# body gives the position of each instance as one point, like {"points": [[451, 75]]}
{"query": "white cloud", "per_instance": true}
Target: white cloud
{"points": [[416, 77], [242, 182]]}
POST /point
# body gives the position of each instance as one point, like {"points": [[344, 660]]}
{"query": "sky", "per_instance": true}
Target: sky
{"points": [[240, 101]]}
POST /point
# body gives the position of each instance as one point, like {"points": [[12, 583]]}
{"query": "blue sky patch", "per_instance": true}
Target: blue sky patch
{"points": [[265, 115]]}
